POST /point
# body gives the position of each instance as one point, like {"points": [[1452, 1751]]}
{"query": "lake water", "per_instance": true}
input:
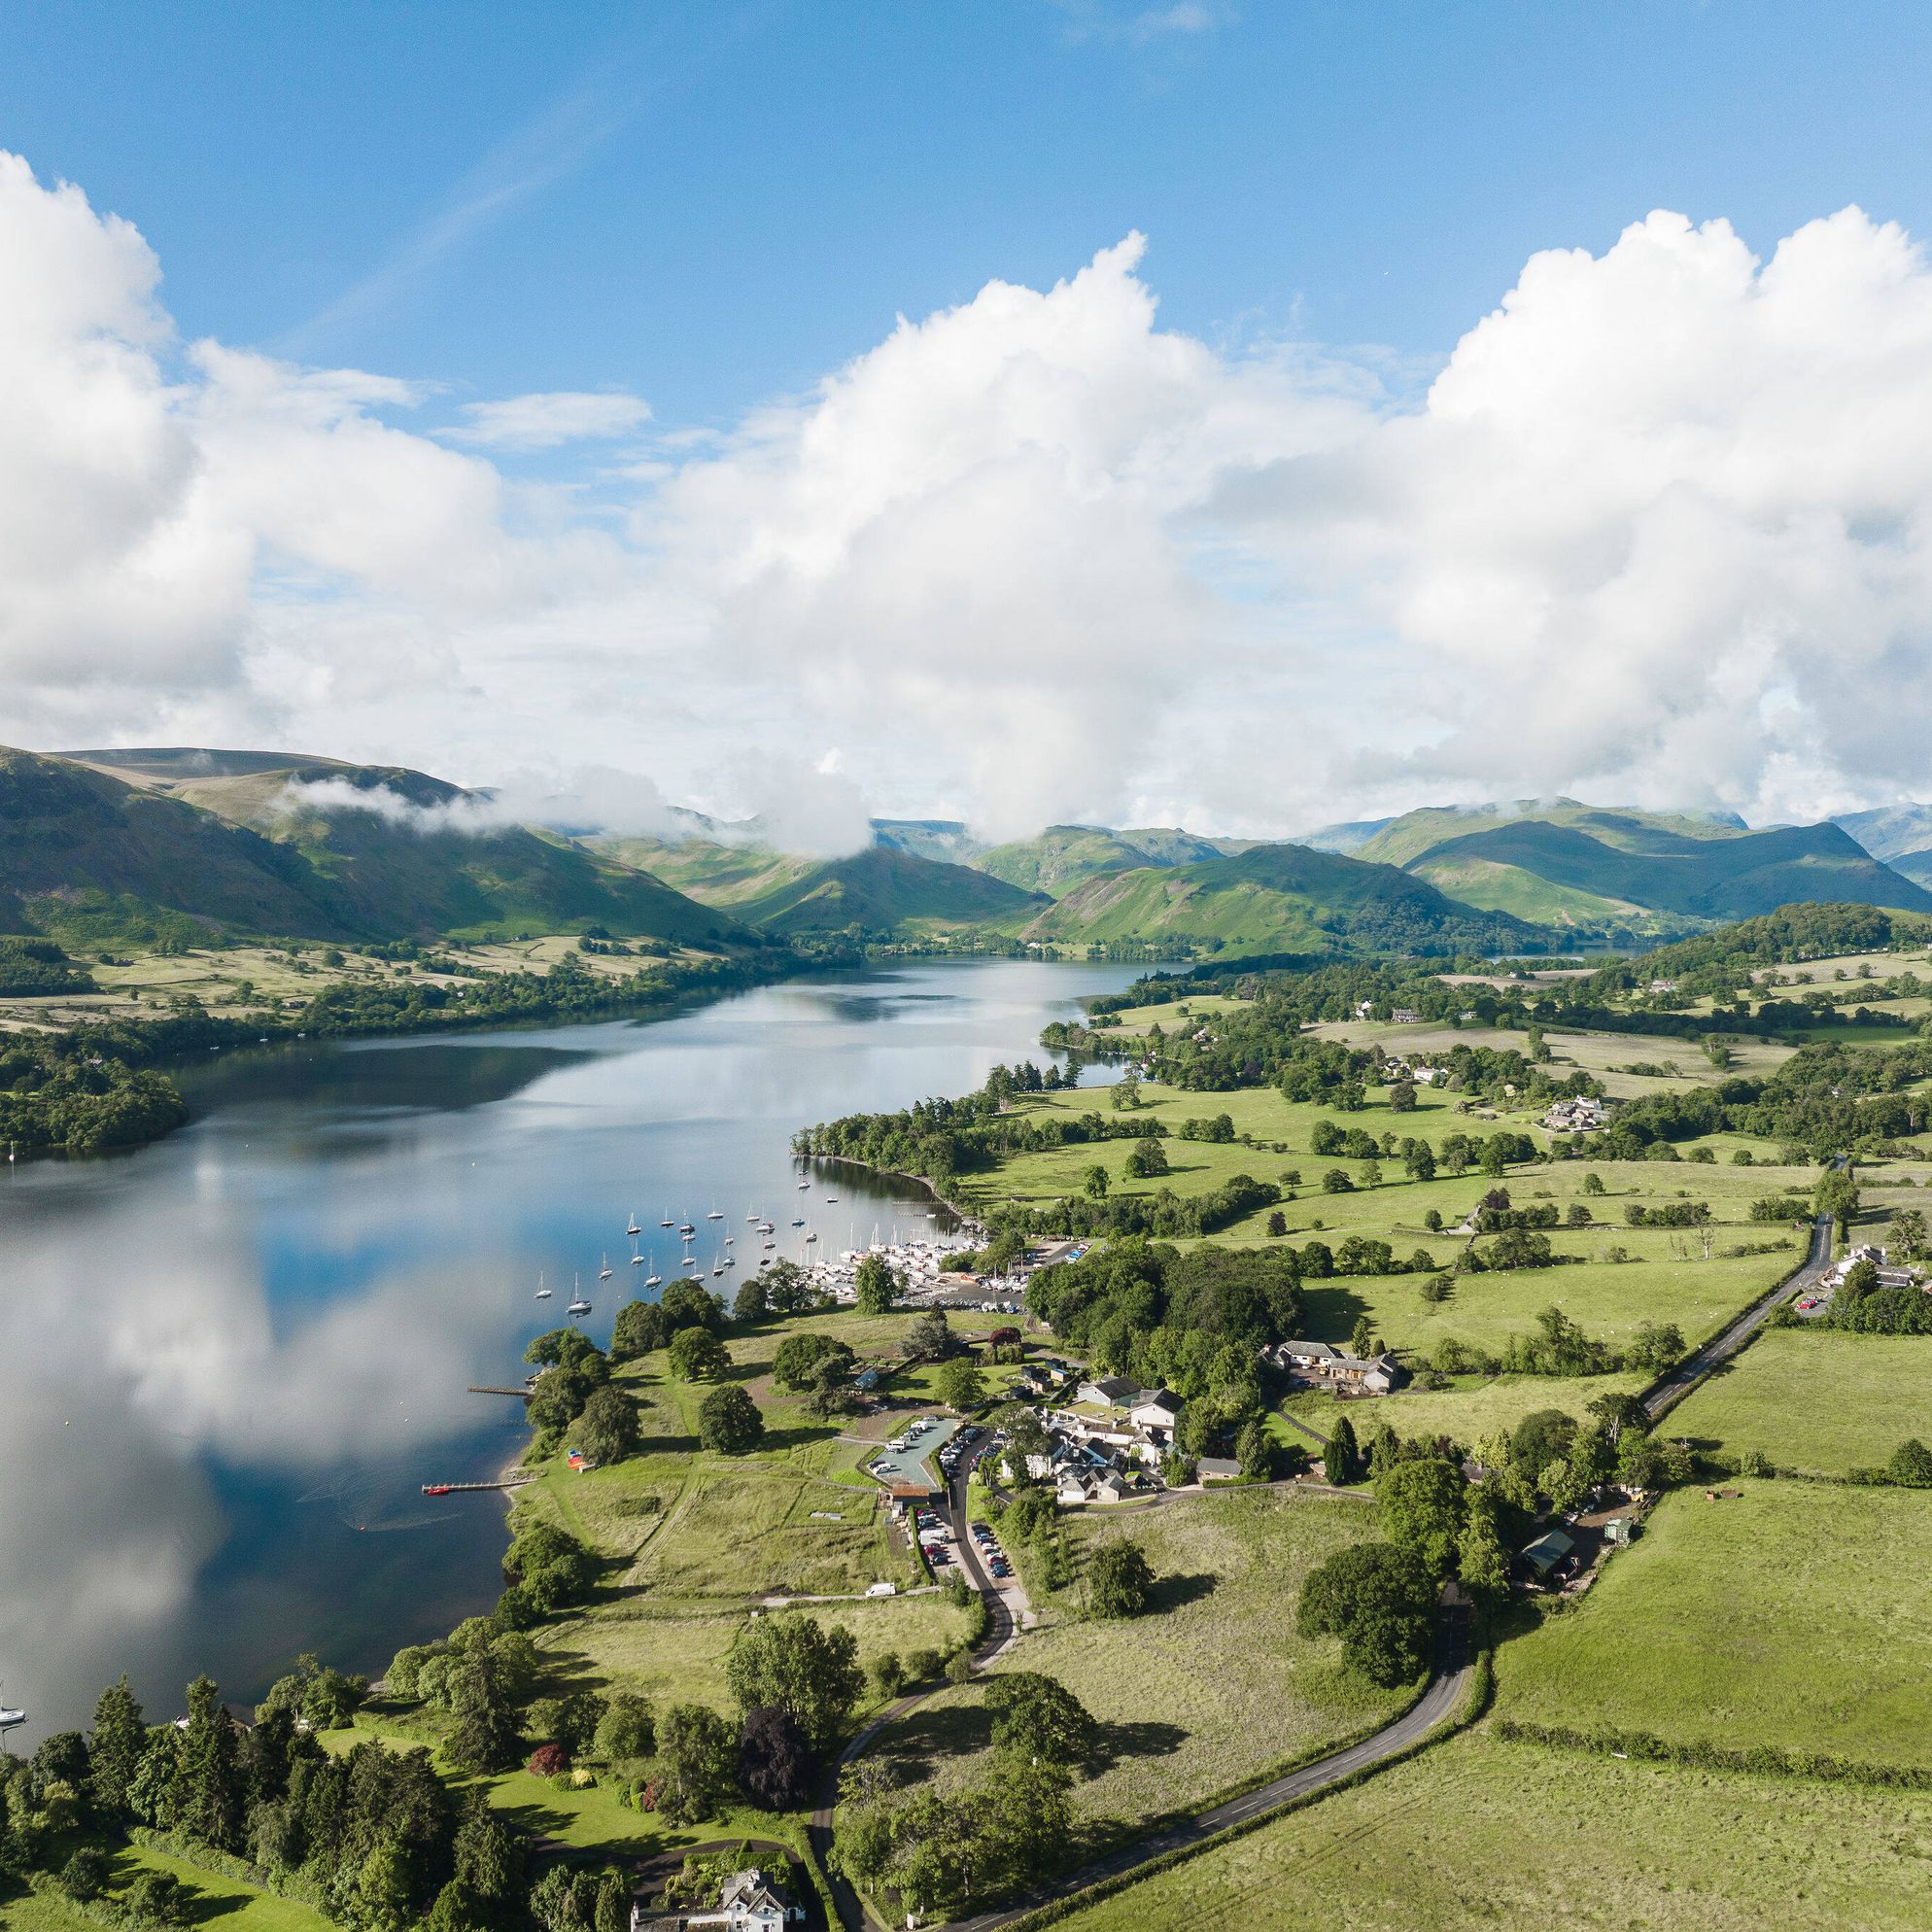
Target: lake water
{"points": [[229, 1362]]}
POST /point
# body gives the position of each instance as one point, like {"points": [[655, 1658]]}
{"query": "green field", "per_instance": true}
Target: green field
{"points": [[1472, 1408], [1664, 1276], [1180, 1688], [1479, 1834], [1814, 1400], [1796, 1615], [699, 1540], [218, 1900]]}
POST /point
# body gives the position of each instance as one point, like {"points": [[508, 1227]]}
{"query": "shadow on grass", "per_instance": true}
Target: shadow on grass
{"points": [[1169, 1593], [1331, 1309], [1143, 1738], [915, 1747]]}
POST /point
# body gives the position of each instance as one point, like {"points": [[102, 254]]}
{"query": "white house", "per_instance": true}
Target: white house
{"points": [[1108, 1392], [750, 1903], [1156, 1409]]}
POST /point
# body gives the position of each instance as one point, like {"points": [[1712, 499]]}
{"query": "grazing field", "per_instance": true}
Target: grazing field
{"points": [[1470, 1410], [1181, 1688], [1814, 1400], [218, 1900], [1796, 1615], [696, 1540], [1479, 1834]]}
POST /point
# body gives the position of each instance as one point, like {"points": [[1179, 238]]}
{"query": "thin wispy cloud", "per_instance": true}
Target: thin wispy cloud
{"points": [[549, 419]]}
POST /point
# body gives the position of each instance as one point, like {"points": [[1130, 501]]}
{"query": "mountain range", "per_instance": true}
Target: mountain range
{"points": [[155, 845]]}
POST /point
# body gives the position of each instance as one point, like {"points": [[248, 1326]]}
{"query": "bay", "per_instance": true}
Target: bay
{"points": [[229, 1362]]}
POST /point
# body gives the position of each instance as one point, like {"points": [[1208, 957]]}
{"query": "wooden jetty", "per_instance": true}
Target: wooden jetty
{"points": [[481, 1388], [515, 1480]]}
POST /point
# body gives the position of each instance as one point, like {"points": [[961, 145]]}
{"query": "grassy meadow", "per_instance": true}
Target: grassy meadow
{"points": [[1180, 1690], [1794, 1614], [1476, 1833], [1816, 1402]]}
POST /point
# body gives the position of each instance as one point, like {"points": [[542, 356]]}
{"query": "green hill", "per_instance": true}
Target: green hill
{"points": [[1563, 873], [1402, 841], [1279, 899], [138, 848], [882, 888], [1064, 856]]}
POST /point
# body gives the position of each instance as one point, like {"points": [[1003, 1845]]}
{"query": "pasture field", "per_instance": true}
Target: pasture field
{"points": [[1794, 1614], [1472, 1408], [1181, 1688], [1663, 1276], [696, 1540], [1476, 1834], [1814, 1400]]}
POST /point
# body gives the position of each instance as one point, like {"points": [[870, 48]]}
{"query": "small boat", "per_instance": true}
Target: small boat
{"points": [[799, 1221], [637, 1260], [604, 1273], [687, 1229], [728, 1240], [429, 1489], [752, 1216], [653, 1280], [542, 1293], [832, 1199], [579, 1305], [666, 1222], [730, 1261], [716, 1214], [718, 1270], [812, 1237], [802, 1186], [633, 1229]]}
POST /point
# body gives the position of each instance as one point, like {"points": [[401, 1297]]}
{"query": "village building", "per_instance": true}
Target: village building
{"points": [[1580, 1116], [1324, 1366], [1108, 1392], [752, 1901]]}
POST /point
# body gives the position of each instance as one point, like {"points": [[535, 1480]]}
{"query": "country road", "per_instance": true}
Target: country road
{"points": [[1668, 1390], [1442, 1697]]}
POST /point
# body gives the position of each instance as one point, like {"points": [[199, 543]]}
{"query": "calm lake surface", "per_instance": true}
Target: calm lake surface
{"points": [[229, 1361]]}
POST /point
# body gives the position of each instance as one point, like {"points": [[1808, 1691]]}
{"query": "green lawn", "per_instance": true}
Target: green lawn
{"points": [[1796, 1615], [1475, 1834], [1211, 1685], [1472, 1408], [218, 1900], [1815, 1401]]}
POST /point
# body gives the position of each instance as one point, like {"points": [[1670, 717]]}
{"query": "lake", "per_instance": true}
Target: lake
{"points": [[229, 1362]]}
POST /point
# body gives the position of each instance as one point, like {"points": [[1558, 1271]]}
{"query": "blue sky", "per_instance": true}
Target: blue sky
{"points": [[710, 203], [1171, 412]]}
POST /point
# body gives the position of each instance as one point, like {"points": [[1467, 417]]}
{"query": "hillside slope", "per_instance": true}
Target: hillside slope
{"points": [[882, 888], [1402, 841], [1063, 856], [1551, 873], [1892, 832], [1279, 899], [134, 846]]}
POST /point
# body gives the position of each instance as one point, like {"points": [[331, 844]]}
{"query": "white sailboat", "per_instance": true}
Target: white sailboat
{"points": [[653, 1279], [633, 1229], [579, 1305], [604, 1273], [666, 1221], [542, 1293], [716, 1214]]}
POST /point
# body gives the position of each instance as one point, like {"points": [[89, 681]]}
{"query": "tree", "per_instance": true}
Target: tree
{"points": [[1402, 1097], [458, 1909], [1036, 1716], [788, 1288], [698, 1356], [485, 1736], [1277, 1223], [639, 1330], [549, 1566], [961, 1384], [1420, 1500], [1146, 1159], [1837, 1194], [1539, 1438], [1419, 1163], [1336, 1181], [207, 1796], [690, 1304], [1341, 1459], [1255, 1451], [728, 1422], [1096, 1182], [698, 1757], [159, 1899], [796, 1364], [1380, 1602], [115, 1747], [775, 1759], [625, 1730], [383, 1889], [1482, 1560], [793, 1661], [489, 1857], [1911, 1465], [1119, 1579], [85, 1876], [607, 1430], [750, 1303], [874, 1287], [1908, 1233], [1361, 1344], [931, 1337], [1617, 1412]]}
